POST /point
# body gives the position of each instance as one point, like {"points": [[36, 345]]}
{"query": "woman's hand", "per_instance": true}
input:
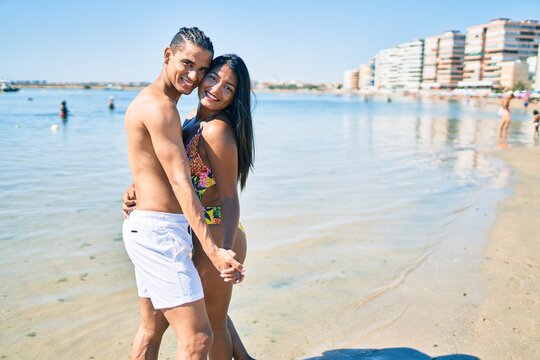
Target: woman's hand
{"points": [[129, 201]]}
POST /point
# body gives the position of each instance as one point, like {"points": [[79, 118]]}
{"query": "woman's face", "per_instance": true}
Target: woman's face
{"points": [[218, 88]]}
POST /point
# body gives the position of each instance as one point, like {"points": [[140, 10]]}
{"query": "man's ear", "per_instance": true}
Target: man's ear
{"points": [[167, 54]]}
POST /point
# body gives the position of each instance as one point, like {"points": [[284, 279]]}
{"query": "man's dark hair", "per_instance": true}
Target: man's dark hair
{"points": [[535, 112], [194, 35]]}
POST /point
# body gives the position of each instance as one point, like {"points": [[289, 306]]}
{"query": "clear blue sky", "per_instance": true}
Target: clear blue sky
{"points": [[98, 40]]}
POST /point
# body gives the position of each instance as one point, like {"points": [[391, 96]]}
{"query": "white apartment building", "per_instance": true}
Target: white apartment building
{"points": [[411, 63], [400, 67], [350, 80], [386, 69], [488, 45]]}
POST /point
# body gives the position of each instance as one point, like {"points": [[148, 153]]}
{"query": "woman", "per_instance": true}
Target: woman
{"points": [[219, 138], [504, 113]]}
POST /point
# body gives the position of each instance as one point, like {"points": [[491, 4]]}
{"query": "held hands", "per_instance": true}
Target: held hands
{"points": [[230, 269], [223, 259], [129, 201]]}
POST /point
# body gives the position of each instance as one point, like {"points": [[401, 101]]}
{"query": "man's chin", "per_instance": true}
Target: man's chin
{"points": [[186, 90]]}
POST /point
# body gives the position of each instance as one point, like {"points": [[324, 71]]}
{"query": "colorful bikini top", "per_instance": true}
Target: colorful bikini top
{"points": [[201, 175]]}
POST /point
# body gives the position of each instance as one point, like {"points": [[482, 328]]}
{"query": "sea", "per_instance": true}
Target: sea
{"points": [[379, 183]]}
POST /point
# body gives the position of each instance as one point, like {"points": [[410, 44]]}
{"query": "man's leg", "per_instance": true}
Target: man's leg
{"points": [[192, 329], [148, 339]]}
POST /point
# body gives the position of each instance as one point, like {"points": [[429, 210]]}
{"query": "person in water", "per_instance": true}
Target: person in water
{"points": [[504, 113], [110, 103], [64, 112], [536, 122]]}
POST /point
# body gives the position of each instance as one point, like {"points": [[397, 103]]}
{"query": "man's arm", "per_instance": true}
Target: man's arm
{"points": [[166, 135]]}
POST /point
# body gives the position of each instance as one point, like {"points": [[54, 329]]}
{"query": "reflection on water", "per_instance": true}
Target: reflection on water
{"points": [[328, 158]]}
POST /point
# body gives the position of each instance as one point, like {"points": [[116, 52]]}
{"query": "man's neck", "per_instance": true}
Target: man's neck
{"points": [[167, 88]]}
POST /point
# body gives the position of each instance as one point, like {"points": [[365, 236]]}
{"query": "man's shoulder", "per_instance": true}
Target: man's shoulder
{"points": [[150, 104]]}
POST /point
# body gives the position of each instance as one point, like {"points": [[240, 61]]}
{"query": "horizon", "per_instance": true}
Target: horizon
{"points": [[97, 42]]}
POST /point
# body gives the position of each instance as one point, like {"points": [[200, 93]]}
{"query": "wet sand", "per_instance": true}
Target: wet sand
{"points": [[508, 322], [492, 313], [462, 296]]}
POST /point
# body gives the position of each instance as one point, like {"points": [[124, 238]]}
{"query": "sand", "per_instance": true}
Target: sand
{"points": [[464, 296], [497, 314], [508, 322]]}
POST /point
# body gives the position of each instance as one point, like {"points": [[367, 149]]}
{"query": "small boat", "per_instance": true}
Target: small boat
{"points": [[7, 86]]}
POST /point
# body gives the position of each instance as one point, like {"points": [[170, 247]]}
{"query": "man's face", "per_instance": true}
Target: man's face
{"points": [[186, 66]]}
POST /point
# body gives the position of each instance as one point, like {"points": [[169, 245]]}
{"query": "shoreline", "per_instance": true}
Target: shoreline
{"points": [[491, 311], [382, 95], [508, 322]]}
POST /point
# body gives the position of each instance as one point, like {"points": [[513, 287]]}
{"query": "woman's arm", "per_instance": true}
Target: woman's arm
{"points": [[129, 200], [220, 148]]}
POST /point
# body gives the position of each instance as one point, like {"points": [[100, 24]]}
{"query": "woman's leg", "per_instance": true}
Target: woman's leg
{"points": [[217, 296], [239, 350]]}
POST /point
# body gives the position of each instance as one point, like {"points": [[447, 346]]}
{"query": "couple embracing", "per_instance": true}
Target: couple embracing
{"points": [[183, 192]]}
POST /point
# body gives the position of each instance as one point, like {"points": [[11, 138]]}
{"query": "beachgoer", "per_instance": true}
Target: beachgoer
{"points": [[63, 110], [219, 138], [504, 113], [536, 122], [156, 234], [111, 103]]}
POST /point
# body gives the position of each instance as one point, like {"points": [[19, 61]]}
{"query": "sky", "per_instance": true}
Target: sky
{"points": [[299, 40]]}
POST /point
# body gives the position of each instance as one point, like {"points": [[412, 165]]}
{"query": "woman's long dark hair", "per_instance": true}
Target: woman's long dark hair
{"points": [[239, 114]]}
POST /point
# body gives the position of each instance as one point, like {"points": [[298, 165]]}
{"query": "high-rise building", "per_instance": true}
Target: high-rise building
{"points": [[488, 45], [350, 80], [386, 69], [411, 61], [537, 73], [431, 54], [443, 60], [400, 67]]}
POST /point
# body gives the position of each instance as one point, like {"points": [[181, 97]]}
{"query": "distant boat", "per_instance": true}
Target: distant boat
{"points": [[7, 86]]}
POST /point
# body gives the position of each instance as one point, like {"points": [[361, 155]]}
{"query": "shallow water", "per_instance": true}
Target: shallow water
{"points": [[361, 189]]}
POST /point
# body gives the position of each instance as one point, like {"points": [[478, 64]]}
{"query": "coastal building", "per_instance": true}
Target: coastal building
{"points": [[411, 61], [350, 80], [487, 46], [514, 74], [386, 69], [537, 72], [443, 60], [366, 76], [532, 63], [400, 67]]}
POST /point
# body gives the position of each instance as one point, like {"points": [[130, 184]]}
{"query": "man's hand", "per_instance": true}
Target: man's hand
{"points": [[129, 200], [230, 269]]}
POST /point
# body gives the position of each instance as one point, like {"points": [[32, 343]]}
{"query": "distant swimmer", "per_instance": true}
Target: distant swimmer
{"points": [[111, 103], [63, 110]]}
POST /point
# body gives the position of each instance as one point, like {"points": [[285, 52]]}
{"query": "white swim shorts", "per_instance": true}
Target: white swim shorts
{"points": [[159, 246]]}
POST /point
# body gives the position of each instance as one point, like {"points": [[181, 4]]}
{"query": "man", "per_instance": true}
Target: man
{"points": [[156, 235]]}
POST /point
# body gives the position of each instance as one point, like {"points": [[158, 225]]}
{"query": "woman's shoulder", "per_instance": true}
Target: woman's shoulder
{"points": [[218, 129]]}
